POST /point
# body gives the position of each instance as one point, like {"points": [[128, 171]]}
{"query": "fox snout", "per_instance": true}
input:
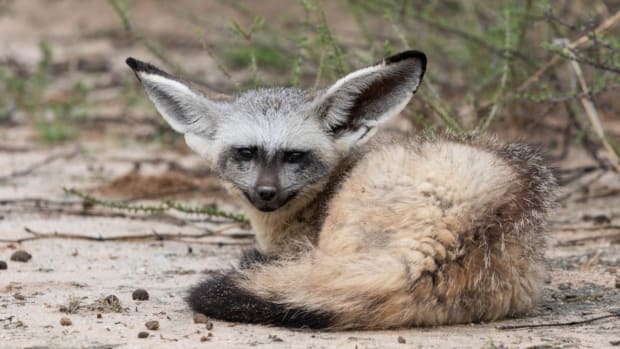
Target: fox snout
{"points": [[265, 198], [267, 194], [268, 198]]}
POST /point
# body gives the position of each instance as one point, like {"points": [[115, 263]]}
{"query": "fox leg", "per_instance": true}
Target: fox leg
{"points": [[253, 257]]}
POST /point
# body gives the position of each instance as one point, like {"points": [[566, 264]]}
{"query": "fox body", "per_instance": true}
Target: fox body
{"points": [[361, 233]]}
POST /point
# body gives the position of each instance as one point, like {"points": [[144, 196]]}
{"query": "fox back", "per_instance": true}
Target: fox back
{"points": [[355, 233]]}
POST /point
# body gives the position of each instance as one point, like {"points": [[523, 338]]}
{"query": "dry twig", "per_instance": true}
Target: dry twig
{"points": [[554, 324], [140, 237], [608, 23], [590, 109], [28, 170]]}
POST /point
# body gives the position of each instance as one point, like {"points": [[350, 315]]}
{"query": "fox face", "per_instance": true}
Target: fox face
{"points": [[273, 146]]}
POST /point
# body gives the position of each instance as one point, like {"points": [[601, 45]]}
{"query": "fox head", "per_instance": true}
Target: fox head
{"points": [[274, 144]]}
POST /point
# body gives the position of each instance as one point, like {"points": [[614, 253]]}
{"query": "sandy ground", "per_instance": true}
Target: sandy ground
{"points": [[73, 277], [583, 256]]}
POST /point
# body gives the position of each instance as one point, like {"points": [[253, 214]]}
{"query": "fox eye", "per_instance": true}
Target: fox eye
{"points": [[294, 157], [245, 154]]}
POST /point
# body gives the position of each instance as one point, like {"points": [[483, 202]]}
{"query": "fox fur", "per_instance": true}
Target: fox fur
{"points": [[393, 232]]}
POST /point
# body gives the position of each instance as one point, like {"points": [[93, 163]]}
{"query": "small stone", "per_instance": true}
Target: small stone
{"points": [[617, 282], [140, 295], [112, 300], [99, 316], [152, 325], [3, 265], [21, 256], [204, 338], [19, 296], [209, 325], [615, 343], [143, 334], [200, 318], [402, 340], [597, 219], [65, 321], [275, 338], [565, 286]]}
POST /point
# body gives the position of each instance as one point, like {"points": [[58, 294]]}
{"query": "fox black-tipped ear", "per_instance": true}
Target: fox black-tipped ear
{"points": [[187, 109], [353, 106], [139, 66]]}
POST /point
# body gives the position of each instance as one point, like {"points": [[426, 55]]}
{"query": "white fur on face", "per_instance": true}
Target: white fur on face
{"points": [[281, 132], [274, 120]]}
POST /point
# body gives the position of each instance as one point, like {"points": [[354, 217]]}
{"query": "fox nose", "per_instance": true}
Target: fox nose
{"points": [[266, 193]]}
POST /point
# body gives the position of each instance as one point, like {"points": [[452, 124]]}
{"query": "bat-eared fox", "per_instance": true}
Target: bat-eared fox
{"points": [[361, 233]]}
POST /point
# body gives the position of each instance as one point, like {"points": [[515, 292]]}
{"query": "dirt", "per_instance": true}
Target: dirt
{"points": [[93, 283]]}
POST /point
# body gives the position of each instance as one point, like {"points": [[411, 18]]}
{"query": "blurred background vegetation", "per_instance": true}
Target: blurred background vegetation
{"points": [[544, 71]]}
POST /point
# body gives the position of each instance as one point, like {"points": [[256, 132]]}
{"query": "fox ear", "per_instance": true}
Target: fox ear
{"points": [[352, 107], [187, 109]]}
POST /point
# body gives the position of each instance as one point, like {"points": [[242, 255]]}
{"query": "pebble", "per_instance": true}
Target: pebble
{"points": [[21, 256], [565, 286], [152, 325], [19, 296], [402, 340], [112, 299], [3, 265], [143, 334], [204, 338], [617, 282], [275, 338], [65, 321], [200, 318], [140, 295], [209, 325]]}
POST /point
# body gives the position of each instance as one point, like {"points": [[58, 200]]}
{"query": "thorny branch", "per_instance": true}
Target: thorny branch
{"points": [[49, 206], [161, 207], [580, 41]]}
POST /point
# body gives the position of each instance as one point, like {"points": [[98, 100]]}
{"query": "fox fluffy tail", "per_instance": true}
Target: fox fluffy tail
{"points": [[454, 263]]}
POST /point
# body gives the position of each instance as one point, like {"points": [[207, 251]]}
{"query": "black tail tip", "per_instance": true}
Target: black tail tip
{"points": [[132, 63], [221, 297]]}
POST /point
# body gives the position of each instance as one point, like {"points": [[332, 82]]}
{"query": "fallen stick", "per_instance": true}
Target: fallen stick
{"points": [[614, 238], [585, 227], [28, 170], [554, 324], [152, 236]]}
